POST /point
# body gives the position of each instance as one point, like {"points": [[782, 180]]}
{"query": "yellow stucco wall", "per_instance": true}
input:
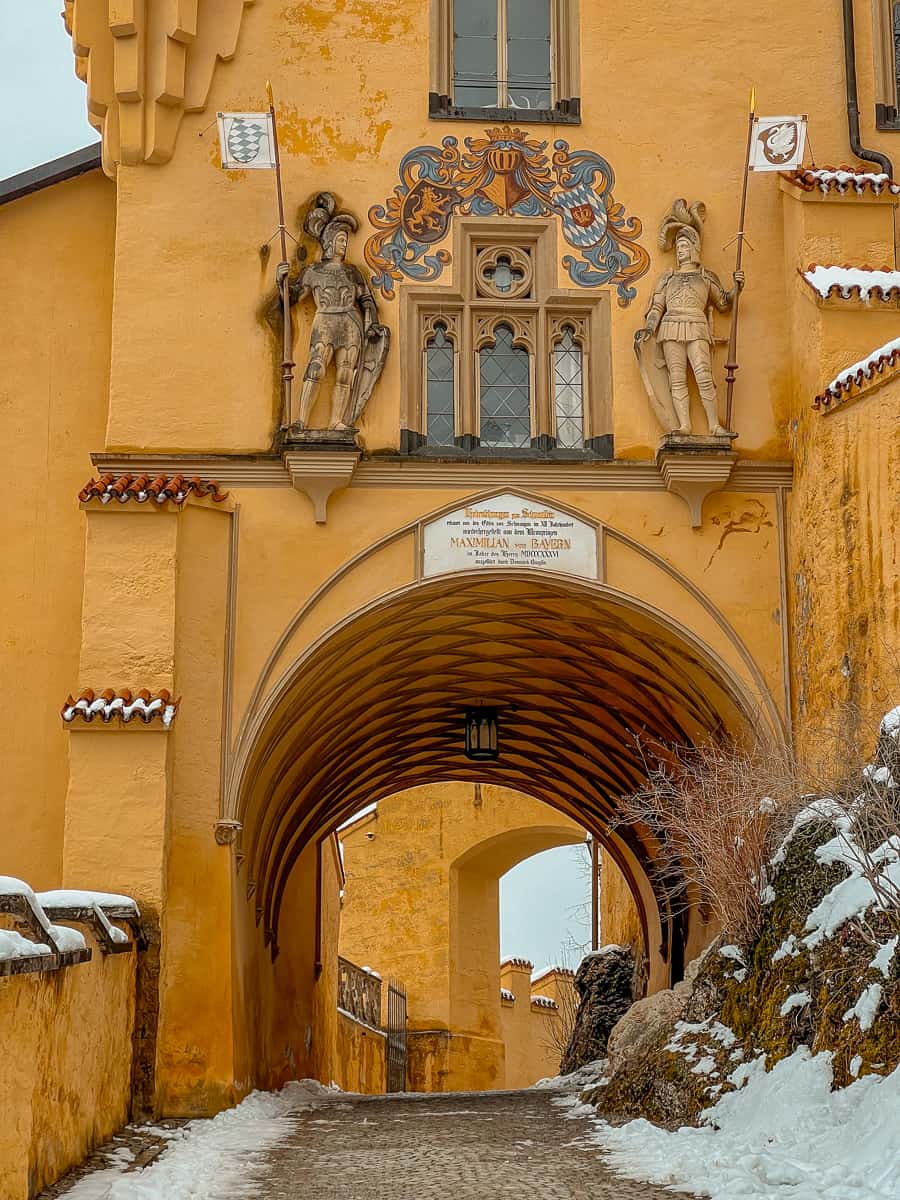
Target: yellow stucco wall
{"points": [[361, 1057], [845, 536], [177, 359], [57, 250], [65, 1067]]}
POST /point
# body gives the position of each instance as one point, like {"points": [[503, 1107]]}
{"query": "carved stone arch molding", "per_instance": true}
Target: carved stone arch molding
{"points": [[145, 66], [720, 644]]}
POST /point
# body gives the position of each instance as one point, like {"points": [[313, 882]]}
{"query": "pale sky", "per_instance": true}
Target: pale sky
{"points": [[42, 117], [42, 104], [545, 908]]}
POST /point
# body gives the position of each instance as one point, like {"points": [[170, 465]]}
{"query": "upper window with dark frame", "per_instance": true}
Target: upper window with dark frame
{"points": [[501, 54], [514, 59], [886, 45]]}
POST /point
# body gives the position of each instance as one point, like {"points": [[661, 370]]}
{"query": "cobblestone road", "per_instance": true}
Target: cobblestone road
{"points": [[453, 1147]]}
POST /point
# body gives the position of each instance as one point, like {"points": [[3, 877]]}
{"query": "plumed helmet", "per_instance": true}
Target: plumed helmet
{"points": [[682, 219], [323, 222]]}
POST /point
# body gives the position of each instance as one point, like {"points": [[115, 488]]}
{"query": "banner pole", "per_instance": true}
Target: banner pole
{"points": [[731, 366], [287, 348]]}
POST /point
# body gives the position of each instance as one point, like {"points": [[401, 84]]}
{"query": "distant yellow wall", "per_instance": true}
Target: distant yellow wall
{"points": [[57, 252], [422, 903], [620, 922], [533, 1034], [65, 1067]]}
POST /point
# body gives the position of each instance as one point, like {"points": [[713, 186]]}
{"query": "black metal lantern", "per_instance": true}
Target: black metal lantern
{"points": [[482, 734]]}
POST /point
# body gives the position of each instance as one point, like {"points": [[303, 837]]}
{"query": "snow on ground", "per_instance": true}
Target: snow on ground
{"points": [[590, 1075], [212, 1160], [783, 1136]]}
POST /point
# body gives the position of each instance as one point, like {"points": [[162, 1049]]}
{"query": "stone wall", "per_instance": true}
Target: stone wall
{"points": [[65, 1067], [361, 1057]]}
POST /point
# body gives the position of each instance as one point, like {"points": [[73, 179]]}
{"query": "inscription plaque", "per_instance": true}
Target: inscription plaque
{"points": [[509, 531]]}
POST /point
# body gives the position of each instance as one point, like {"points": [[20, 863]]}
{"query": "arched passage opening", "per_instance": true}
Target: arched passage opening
{"points": [[421, 905], [579, 673]]}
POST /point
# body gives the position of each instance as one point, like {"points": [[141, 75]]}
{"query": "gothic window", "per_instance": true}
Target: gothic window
{"points": [[504, 392], [516, 57], [440, 391], [505, 362], [568, 390]]}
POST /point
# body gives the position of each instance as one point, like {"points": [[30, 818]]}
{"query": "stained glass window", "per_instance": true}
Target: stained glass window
{"points": [[439, 388], [568, 391], [505, 388], [501, 53]]}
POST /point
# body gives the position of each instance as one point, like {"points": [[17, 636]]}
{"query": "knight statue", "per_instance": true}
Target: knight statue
{"points": [[678, 328], [345, 329]]}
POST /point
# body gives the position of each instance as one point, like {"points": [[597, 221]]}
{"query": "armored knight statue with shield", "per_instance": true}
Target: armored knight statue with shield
{"points": [[345, 329], [678, 330]]}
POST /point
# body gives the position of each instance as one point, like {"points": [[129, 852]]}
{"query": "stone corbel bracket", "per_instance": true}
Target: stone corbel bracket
{"points": [[694, 467], [320, 473]]}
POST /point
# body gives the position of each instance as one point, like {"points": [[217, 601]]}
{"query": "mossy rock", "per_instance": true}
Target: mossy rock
{"points": [[663, 1085]]}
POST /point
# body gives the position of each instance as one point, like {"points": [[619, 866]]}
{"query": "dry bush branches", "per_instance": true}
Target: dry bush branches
{"points": [[715, 814], [711, 812]]}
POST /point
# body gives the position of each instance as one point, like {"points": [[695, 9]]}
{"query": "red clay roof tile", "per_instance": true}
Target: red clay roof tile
{"points": [[141, 488]]}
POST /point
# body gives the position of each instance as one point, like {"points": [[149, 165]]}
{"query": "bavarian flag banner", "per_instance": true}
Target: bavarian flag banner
{"points": [[247, 141], [778, 143]]}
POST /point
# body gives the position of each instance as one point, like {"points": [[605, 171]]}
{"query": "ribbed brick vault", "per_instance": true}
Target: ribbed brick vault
{"points": [[376, 707]]}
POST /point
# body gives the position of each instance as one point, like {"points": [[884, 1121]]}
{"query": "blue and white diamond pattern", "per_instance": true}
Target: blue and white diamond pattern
{"points": [[246, 141], [574, 205]]}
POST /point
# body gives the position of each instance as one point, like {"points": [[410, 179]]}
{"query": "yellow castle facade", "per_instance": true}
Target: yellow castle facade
{"points": [[237, 611]]}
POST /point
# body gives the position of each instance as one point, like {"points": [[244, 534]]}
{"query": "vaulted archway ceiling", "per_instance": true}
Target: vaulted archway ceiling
{"points": [[577, 674]]}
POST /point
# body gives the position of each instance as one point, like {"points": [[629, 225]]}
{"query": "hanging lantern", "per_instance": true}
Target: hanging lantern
{"points": [[482, 734]]}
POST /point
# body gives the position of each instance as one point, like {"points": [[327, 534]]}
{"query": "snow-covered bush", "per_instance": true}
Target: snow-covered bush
{"points": [[822, 969]]}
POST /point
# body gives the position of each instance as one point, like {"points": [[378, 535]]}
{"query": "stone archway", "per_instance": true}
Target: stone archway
{"points": [[577, 670]]}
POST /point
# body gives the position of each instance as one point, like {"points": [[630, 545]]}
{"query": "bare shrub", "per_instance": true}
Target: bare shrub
{"points": [[716, 813], [864, 797], [713, 813], [561, 1022]]}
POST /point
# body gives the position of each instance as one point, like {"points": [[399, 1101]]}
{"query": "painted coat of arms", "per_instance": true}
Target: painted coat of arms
{"points": [[505, 173]]}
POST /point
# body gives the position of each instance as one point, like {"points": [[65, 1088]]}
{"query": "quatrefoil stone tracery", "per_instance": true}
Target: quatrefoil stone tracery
{"points": [[504, 272]]}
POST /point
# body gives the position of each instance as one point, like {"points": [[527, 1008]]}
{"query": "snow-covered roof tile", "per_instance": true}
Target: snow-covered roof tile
{"points": [[517, 962], [544, 971], [543, 1002], [141, 488], [861, 375], [123, 706], [853, 283], [841, 181]]}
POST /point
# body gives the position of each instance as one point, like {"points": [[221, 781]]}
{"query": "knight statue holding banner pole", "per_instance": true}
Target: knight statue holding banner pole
{"points": [[345, 329], [677, 331]]}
